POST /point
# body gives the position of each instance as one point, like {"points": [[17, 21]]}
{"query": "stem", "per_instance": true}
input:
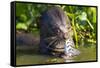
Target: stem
{"points": [[76, 37], [90, 24]]}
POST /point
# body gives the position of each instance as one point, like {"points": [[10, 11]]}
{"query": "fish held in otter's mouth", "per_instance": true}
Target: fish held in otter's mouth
{"points": [[55, 29]]}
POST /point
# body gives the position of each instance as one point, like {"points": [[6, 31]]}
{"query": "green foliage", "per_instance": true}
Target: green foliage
{"points": [[21, 26], [83, 23], [83, 20]]}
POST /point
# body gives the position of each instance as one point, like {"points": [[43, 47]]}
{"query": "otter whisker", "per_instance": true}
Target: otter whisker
{"points": [[52, 42], [56, 42]]}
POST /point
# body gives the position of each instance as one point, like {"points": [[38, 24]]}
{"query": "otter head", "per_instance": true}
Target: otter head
{"points": [[54, 29]]}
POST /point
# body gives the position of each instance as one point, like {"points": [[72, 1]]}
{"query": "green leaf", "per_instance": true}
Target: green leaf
{"points": [[21, 26], [83, 16], [23, 17]]}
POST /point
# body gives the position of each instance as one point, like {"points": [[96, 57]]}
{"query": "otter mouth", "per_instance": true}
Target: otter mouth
{"points": [[55, 45], [58, 49]]}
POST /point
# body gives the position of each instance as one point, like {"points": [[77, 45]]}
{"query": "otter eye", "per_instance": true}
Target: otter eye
{"points": [[58, 31]]}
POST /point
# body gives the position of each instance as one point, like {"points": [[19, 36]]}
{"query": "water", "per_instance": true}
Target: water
{"points": [[30, 56], [87, 54]]}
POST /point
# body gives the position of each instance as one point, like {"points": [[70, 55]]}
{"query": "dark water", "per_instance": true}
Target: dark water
{"points": [[26, 55]]}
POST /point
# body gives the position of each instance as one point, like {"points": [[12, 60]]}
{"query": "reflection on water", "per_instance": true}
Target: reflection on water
{"points": [[25, 57], [69, 60]]}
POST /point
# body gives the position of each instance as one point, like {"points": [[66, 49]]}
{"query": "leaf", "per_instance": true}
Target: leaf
{"points": [[83, 16], [21, 26], [23, 17]]}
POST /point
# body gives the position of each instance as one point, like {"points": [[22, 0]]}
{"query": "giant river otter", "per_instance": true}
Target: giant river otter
{"points": [[55, 38]]}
